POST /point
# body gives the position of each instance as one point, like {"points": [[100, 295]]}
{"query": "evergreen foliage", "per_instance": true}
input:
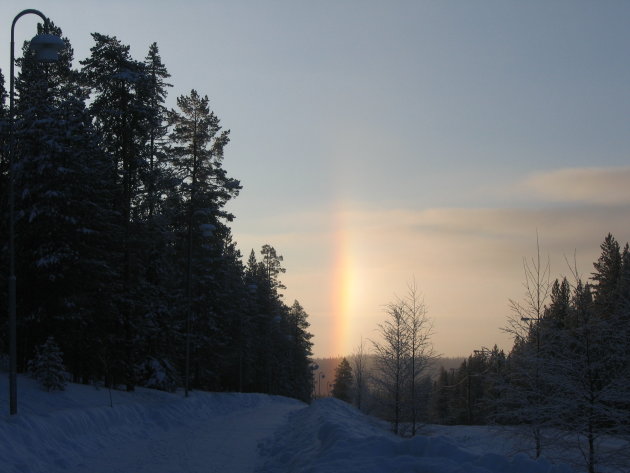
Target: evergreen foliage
{"points": [[569, 373], [567, 377], [467, 395], [47, 366], [124, 250], [342, 388]]}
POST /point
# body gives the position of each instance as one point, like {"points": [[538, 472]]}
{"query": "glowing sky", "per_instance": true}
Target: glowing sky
{"points": [[378, 141]]}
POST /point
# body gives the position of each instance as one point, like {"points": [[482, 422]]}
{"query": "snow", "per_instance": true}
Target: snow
{"points": [[76, 430], [331, 436], [90, 429]]}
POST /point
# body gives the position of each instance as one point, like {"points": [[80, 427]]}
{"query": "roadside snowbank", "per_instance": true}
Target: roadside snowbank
{"points": [[77, 430], [331, 436]]}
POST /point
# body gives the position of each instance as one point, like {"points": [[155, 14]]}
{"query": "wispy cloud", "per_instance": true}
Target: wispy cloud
{"points": [[595, 185], [467, 260]]}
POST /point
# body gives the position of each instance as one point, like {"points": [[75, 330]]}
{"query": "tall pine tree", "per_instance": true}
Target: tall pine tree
{"points": [[203, 190]]}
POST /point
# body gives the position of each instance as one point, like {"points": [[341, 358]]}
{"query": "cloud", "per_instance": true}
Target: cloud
{"points": [[596, 185], [467, 261]]}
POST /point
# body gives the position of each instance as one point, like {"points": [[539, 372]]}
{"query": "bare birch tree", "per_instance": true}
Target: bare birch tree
{"points": [[421, 354], [402, 357], [525, 392], [360, 374], [391, 376]]}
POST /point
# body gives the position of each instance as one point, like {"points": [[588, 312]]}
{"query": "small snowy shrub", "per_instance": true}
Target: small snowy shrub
{"points": [[47, 366], [159, 374]]}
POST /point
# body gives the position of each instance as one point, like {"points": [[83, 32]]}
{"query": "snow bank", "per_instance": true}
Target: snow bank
{"points": [[90, 430], [331, 436], [65, 430]]}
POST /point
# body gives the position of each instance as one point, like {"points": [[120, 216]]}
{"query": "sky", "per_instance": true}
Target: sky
{"points": [[385, 142]]}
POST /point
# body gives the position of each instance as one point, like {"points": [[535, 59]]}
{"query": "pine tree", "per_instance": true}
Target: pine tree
{"points": [[47, 366], [123, 117], [342, 388], [272, 268], [271, 311], [196, 157]]}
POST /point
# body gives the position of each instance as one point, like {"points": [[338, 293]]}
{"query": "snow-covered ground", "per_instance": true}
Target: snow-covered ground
{"points": [[82, 429], [331, 436]]}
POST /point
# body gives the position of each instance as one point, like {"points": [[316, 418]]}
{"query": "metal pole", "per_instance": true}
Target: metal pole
{"points": [[12, 278]]}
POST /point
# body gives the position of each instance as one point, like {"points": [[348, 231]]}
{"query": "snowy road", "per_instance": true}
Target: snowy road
{"points": [[90, 430], [223, 443], [84, 430]]}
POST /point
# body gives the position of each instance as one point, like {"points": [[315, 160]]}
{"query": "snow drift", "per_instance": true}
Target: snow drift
{"points": [[85, 429], [331, 436]]}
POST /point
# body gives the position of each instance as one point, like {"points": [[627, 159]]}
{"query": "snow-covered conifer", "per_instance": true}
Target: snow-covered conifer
{"points": [[342, 388], [47, 366]]}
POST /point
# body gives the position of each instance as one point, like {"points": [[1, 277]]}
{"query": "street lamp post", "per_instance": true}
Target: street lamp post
{"points": [[313, 367], [46, 47], [319, 388]]}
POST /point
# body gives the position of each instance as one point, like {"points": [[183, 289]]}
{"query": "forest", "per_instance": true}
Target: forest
{"points": [[566, 379], [125, 262]]}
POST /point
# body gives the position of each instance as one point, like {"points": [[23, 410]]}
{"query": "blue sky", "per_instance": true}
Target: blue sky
{"points": [[436, 137]]}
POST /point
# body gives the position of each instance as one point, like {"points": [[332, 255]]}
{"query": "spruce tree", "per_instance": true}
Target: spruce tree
{"points": [[606, 276], [47, 366], [581, 380], [342, 388], [155, 88], [63, 220], [300, 352]]}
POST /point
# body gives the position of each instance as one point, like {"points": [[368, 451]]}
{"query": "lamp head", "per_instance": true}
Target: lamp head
{"points": [[47, 47]]}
